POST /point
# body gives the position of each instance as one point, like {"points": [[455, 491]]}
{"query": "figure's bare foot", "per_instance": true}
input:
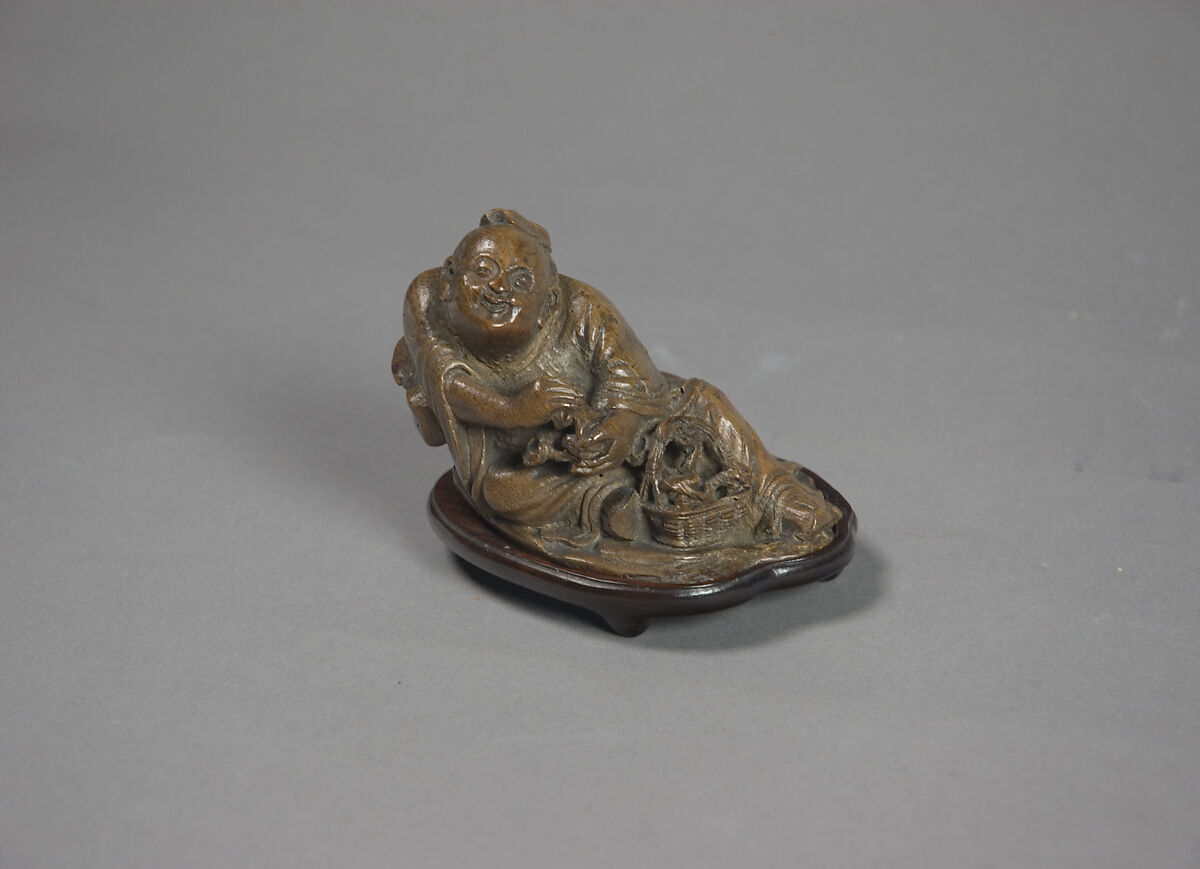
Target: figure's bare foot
{"points": [[802, 517], [809, 519], [803, 509]]}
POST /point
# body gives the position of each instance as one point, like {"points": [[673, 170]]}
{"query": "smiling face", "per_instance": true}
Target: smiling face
{"points": [[500, 280]]}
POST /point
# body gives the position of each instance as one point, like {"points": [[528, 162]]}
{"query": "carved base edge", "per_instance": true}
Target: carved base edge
{"points": [[626, 604]]}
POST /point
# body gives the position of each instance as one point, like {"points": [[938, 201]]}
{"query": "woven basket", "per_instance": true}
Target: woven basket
{"points": [[694, 526], [697, 528]]}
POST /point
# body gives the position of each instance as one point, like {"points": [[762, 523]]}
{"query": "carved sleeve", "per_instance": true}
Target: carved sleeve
{"points": [[625, 376]]}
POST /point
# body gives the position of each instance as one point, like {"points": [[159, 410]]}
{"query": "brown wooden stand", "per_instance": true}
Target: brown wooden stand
{"points": [[625, 604]]}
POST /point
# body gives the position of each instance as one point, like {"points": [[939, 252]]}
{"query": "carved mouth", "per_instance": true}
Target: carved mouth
{"points": [[495, 304]]}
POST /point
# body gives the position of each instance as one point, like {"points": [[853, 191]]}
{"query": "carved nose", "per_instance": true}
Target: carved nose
{"points": [[498, 285]]}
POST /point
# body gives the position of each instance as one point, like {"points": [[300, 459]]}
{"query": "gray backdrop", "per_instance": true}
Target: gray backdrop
{"points": [[946, 254]]}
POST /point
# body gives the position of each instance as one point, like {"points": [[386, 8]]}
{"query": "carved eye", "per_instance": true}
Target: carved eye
{"points": [[520, 279], [485, 268]]}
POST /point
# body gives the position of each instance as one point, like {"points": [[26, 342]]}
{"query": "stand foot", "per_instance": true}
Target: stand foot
{"points": [[624, 626]]}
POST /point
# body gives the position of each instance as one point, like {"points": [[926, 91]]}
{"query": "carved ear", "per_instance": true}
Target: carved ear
{"points": [[550, 305], [513, 218], [447, 276]]}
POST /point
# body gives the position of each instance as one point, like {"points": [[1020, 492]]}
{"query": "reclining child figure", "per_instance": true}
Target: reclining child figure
{"points": [[568, 439]]}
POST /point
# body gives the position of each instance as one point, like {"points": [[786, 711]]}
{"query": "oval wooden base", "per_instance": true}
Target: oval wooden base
{"points": [[626, 604]]}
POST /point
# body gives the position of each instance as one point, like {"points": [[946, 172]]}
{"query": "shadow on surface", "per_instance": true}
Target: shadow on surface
{"points": [[340, 428], [776, 614], [538, 604], [770, 616]]}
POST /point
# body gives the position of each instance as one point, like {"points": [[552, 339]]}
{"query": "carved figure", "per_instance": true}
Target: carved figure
{"points": [[566, 437]]}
